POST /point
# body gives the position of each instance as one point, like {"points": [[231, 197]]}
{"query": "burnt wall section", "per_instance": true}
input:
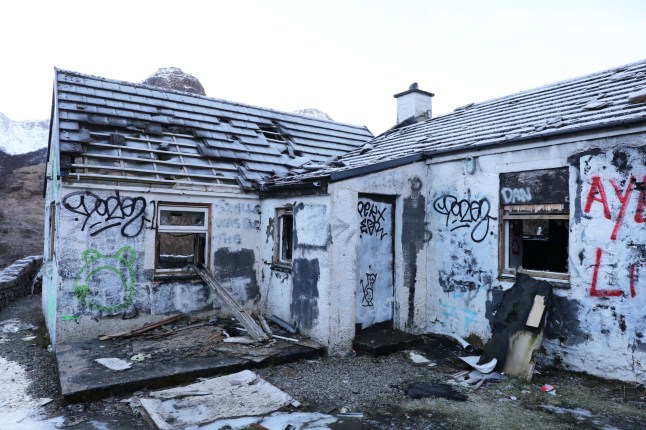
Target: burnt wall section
{"points": [[236, 271], [305, 293], [17, 279], [414, 236]]}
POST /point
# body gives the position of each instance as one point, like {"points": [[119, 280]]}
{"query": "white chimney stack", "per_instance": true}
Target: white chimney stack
{"points": [[413, 103]]}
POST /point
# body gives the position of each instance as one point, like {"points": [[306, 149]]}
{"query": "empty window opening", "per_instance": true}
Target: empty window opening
{"points": [[534, 215], [181, 239], [283, 237]]}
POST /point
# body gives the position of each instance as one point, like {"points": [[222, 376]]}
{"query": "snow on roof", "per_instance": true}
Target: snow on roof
{"points": [[114, 130], [596, 100]]}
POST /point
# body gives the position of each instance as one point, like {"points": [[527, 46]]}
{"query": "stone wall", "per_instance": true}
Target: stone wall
{"points": [[17, 279]]}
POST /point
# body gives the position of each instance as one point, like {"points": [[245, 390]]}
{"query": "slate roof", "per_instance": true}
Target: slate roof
{"points": [[120, 131], [597, 100]]}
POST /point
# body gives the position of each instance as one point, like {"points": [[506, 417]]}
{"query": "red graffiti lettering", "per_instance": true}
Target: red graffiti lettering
{"points": [[641, 202], [631, 270], [597, 188], [593, 286], [623, 199]]}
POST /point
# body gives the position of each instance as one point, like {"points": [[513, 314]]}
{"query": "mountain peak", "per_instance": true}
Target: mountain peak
{"points": [[173, 78], [313, 113], [20, 137]]}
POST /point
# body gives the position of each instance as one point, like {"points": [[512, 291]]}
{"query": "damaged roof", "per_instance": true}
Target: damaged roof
{"points": [[603, 99], [122, 131]]}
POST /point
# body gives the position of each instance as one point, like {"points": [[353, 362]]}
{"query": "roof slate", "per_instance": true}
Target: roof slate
{"points": [[595, 100], [183, 138]]}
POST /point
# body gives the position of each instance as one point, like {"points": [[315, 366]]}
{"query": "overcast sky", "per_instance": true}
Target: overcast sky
{"points": [[346, 57]]}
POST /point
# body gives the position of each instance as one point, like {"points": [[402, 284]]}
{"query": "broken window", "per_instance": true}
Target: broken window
{"points": [[535, 223], [181, 238], [271, 132], [283, 237]]}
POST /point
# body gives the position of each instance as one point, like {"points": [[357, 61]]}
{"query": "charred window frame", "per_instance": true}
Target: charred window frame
{"points": [[534, 214], [182, 239], [283, 237]]}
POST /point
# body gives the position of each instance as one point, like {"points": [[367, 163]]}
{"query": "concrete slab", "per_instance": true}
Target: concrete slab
{"points": [[385, 341], [174, 359]]}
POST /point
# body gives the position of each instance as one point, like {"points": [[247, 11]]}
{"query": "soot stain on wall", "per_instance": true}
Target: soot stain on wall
{"points": [[564, 323], [494, 297], [237, 264], [414, 236], [305, 293]]}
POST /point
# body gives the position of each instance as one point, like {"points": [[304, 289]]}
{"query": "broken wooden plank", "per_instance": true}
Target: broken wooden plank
{"points": [[264, 325], [536, 313], [144, 328], [238, 311]]}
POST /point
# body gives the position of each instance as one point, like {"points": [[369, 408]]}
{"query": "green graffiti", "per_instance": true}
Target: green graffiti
{"points": [[70, 318], [96, 264]]}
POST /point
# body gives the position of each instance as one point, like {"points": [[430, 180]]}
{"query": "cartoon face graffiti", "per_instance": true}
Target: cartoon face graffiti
{"points": [[106, 283]]}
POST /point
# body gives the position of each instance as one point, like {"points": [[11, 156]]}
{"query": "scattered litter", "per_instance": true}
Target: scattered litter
{"points": [[44, 401], [239, 339], [550, 389], [140, 357], [513, 397], [475, 378], [28, 338], [232, 396], [283, 324], [420, 390], [472, 361], [115, 364], [14, 325], [418, 358]]}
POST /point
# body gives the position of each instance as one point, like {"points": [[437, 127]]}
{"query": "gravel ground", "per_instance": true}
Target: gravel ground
{"points": [[372, 387]]}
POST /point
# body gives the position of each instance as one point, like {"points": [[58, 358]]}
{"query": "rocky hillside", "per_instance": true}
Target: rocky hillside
{"points": [[173, 78], [22, 214]]}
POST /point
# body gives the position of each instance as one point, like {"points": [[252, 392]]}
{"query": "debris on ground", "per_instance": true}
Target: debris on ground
{"points": [[113, 363], [237, 395], [518, 327]]}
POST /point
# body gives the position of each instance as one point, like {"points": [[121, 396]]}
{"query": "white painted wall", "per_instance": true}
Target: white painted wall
{"points": [[599, 335], [113, 258]]}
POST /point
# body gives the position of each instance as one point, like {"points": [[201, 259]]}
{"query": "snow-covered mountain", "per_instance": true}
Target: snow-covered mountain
{"points": [[173, 78], [20, 137], [313, 113]]}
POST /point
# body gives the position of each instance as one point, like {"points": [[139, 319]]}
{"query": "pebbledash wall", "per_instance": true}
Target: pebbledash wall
{"points": [[104, 259], [597, 322]]}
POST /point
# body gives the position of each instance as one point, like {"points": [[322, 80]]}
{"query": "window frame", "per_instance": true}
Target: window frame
{"points": [[205, 209], [279, 222], [508, 213]]}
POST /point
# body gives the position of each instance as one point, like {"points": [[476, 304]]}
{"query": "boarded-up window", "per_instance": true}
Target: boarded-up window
{"points": [[534, 209]]}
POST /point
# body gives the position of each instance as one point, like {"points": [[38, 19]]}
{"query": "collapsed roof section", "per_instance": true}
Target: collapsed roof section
{"points": [[125, 132], [603, 99]]}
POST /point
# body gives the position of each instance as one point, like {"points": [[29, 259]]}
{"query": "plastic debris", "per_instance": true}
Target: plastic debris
{"points": [[418, 358], [140, 357], [549, 389]]}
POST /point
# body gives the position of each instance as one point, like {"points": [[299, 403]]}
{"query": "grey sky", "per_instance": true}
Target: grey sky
{"points": [[346, 58]]}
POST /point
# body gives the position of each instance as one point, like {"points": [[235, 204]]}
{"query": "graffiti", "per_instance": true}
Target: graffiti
{"points": [[100, 214], [597, 193], [106, 282], [516, 195], [238, 223], [224, 207], [70, 318], [372, 218], [596, 292], [227, 239], [368, 289], [465, 213]]}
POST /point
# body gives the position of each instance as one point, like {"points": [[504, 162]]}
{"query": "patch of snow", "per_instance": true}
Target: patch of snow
{"points": [[276, 421], [14, 325], [18, 411], [313, 113], [19, 137]]}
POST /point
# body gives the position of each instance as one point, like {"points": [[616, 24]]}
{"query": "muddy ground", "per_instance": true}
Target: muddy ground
{"points": [[373, 389]]}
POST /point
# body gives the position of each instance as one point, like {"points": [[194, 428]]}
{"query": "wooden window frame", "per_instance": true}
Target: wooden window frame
{"points": [[279, 259]]}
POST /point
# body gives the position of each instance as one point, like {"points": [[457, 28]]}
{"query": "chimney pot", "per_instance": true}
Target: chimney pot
{"points": [[413, 103]]}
